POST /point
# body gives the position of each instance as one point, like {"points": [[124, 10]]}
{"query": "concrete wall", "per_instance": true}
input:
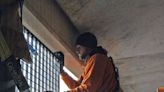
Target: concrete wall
{"points": [[136, 40], [137, 30], [142, 73]]}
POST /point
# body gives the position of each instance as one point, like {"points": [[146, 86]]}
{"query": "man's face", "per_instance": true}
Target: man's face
{"points": [[81, 50]]}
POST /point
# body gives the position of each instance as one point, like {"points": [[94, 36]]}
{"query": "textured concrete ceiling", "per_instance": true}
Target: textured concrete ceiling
{"points": [[126, 28], [122, 26], [131, 30]]}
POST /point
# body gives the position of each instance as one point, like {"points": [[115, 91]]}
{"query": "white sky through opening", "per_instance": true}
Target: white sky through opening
{"points": [[63, 86]]}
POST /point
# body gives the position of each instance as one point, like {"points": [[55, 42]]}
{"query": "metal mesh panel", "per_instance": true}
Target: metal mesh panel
{"points": [[43, 73]]}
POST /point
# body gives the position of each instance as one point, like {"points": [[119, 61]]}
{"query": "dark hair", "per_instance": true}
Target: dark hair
{"points": [[87, 39]]}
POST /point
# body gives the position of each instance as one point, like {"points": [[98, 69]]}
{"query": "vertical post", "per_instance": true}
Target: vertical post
{"points": [[12, 65], [4, 49]]}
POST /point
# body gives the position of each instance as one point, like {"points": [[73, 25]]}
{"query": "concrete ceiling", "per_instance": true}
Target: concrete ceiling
{"points": [[126, 28], [122, 26], [131, 31]]}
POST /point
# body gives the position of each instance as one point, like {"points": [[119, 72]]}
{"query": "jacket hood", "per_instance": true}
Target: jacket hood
{"points": [[98, 49]]}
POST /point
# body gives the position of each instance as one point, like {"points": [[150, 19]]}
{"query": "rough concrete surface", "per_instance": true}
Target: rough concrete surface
{"points": [[131, 30]]}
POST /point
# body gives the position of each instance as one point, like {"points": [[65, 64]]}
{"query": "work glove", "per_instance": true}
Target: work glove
{"points": [[60, 57]]}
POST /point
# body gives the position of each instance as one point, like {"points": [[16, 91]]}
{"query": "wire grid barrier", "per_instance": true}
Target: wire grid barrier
{"points": [[43, 74]]}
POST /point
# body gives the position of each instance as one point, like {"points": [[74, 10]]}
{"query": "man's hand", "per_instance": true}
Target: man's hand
{"points": [[60, 56]]}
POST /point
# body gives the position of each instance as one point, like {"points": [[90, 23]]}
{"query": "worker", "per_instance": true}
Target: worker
{"points": [[99, 73]]}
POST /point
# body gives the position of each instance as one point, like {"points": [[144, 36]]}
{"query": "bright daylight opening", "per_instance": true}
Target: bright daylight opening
{"points": [[63, 86]]}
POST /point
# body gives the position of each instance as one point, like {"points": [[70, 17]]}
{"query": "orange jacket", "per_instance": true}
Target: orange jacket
{"points": [[98, 76]]}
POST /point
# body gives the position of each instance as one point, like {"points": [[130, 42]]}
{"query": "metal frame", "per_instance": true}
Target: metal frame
{"points": [[43, 73]]}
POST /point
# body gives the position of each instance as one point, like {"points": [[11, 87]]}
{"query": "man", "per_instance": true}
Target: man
{"points": [[99, 74]]}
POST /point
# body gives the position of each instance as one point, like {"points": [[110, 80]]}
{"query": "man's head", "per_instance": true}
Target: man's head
{"points": [[84, 43]]}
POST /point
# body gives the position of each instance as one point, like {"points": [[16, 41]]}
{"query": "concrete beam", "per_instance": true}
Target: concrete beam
{"points": [[142, 73], [46, 20]]}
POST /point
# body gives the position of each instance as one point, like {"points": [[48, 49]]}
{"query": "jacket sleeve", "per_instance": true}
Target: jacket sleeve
{"points": [[94, 73], [70, 82]]}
